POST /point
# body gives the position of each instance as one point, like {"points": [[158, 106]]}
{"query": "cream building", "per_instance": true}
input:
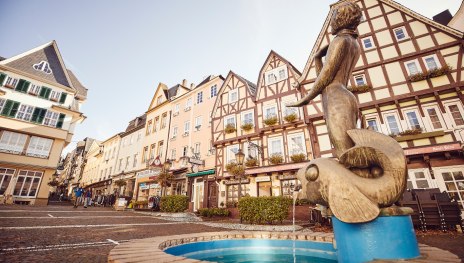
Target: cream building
{"points": [[91, 174], [190, 143], [40, 103]]}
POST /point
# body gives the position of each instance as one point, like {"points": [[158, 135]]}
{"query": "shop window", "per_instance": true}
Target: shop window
{"points": [[27, 183], [5, 178], [454, 182], [287, 186], [232, 193]]}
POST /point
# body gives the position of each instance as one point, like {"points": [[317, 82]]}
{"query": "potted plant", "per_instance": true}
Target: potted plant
{"points": [[230, 128], [247, 126], [298, 157], [250, 162], [270, 120], [411, 132], [290, 117], [276, 158]]}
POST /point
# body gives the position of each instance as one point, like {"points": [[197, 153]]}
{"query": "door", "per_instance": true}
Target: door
{"points": [[198, 194], [451, 180], [213, 191]]}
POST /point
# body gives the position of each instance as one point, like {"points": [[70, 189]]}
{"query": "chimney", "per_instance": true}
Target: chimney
{"points": [[184, 82], [192, 86], [443, 17]]}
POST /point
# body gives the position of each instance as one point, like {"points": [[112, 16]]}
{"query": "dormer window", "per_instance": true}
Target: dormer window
{"points": [[43, 66], [276, 75]]}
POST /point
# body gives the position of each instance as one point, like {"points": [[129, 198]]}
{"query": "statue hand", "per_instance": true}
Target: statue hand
{"points": [[296, 104]]}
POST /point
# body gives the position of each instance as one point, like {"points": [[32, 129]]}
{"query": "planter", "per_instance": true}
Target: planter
{"points": [[270, 121], [290, 117], [230, 128], [276, 159], [247, 126]]}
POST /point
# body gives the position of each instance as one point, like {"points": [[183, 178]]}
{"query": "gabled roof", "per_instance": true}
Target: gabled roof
{"points": [[173, 91], [250, 85], [160, 89], [269, 57], [391, 3], [80, 89], [136, 123]]}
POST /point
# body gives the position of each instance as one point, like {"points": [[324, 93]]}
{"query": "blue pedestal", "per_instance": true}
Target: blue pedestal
{"points": [[387, 237]]}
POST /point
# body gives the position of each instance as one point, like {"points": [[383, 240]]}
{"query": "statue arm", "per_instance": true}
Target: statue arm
{"points": [[318, 58], [327, 73]]}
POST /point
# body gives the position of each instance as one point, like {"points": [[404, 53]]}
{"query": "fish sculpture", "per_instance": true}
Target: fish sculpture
{"points": [[370, 172]]}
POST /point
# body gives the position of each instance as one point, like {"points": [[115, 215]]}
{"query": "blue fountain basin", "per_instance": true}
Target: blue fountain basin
{"points": [[257, 250]]}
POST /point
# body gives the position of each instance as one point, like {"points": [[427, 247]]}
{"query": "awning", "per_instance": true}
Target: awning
{"points": [[205, 172]]}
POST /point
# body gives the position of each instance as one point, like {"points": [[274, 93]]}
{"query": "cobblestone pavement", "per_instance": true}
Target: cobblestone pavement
{"points": [[65, 234]]}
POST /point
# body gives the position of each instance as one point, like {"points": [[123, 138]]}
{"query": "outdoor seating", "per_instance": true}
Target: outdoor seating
{"points": [[409, 200], [429, 207], [450, 211]]}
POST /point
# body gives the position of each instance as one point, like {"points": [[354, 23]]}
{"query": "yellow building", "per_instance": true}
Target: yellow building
{"points": [[40, 103]]}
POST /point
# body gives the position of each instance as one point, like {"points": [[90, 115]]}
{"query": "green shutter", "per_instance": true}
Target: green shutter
{"points": [[42, 92], [14, 109], [63, 97], [47, 94], [19, 86], [38, 115], [41, 115], [2, 78], [59, 124], [7, 108]]}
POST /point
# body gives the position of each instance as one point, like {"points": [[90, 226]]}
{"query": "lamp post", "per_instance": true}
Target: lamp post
{"points": [[240, 156]]}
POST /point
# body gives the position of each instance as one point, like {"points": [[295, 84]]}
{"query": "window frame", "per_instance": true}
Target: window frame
{"points": [[387, 124], [417, 64], [418, 118], [187, 127], [243, 117], [266, 107], [227, 118], [290, 145], [450, 115], [199, 97], [213, 88], [435, 59], [230, 154], [39, 153], [439, 115], [405, 33], [231, 93], [360, 76], [25, 176], [13, 148], [270, 150], [371, 40]]}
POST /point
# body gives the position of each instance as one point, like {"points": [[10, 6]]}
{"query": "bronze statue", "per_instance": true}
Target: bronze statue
{"points": [[371, 170]]}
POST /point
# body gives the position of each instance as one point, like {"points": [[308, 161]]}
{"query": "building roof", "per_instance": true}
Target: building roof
{"points": [[81, 90], [136, 123], [208, 79], [251, 86]]}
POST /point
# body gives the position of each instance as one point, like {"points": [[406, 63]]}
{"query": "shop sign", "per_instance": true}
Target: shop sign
{"points": [[196, 161], [143, 186], [148, 173], [432, 149], [211, 176], [263, 179], [287, 177], [243, 181], [152, 186]]}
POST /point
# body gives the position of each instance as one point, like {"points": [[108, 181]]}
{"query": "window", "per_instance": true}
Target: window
{"points": [[5, 178], [135, 161], [160, 149], [400, 33], [156, 124], [25, 112], [164, 120], [120, 165], [174, 132], [373, 124], [45, 92], [252, 150], [198, 121], [271, 78], [173, 154], [288, 186], [275, 75], [296, 144], [184, 151], [149, 126], [275, 146], [229, 120], [368, 43], [454, 182], [51, 118], [430, 62], [199, 97], [187, 127], [127, 163], [232, 192], [196, 149], [2, 104], [456, 114], [152, 151], [270, 111], [289, 110], [176, 109], [412, 67], [360, 80], [282, 74], [418, 179], [27, 183], [12, 142], [43, 66], [22, 86], [434, 119], [145, 154], [231, 151], [10, 108], [38, 115], [34, 89], [392, 124], [188, 105], [247, 117], [159, 100], [412, 120], [11, 82], [213, 91], [39, 147], [55, 95], [233, 96]]}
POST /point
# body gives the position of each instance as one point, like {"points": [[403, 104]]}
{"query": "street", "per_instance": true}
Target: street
{"points": [[65, 234]]}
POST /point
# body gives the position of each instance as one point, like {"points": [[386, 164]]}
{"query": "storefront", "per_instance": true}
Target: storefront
{"points": [[197, 184], [100, 188], [146, 185]]}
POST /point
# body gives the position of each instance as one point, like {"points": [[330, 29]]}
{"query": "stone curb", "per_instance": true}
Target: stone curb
{"points": [[152, 249]]}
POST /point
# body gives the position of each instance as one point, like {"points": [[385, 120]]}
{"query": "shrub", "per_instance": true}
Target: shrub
{"points": [[174, 203], [250, 162], [411, 132], [231, 204], [247, 126], [276, 159], [359, 88], [230, 128], [269, 121], [290, 117], [265, 209], [210, 212], [297, 158]]}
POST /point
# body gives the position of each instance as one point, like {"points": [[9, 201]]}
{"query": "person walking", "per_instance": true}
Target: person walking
{"points": [[78, 191], [87, 196]]}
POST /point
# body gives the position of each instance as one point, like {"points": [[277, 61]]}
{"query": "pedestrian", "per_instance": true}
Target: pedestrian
{"points": [[87, 196], [78, 191]]}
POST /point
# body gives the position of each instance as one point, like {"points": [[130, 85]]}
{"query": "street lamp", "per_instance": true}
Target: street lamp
{"points": [[240, 156]]}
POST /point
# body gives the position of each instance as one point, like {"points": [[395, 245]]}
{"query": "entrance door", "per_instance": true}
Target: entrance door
{"points": [[198, 194], [213, 192]]}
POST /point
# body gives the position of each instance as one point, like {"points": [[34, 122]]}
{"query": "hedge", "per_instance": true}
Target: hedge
{"points": [[174, 203], [265, 209], [210, 212]]}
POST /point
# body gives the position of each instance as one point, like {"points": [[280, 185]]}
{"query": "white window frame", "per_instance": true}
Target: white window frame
{"points": [[25, 112], [11, 82], [51, 118], [231, 151], [243, 120], [198, 122], [435, 58], [233, 96], [413, 180], [213, 91], [247, 150], [173, 154], [448, 112], [405, 33], [174, 132], [226, 120], [429, 119], [2, 104], [175, 111], [438, 172], [186, 127], [291, 147], [7, 172], [375, 118], [416, 62], [275, 73], [289, 110], [199, 97], [196, 148], [418, 117], [188, 104], [12, 142], [371, 41], [55, 95], [360, 76], [266, 107], [34, 89], [28, 174], [397, 119], [272, 151]]}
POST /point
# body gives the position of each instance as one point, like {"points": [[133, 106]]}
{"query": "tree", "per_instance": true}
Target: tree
{"points": [[164, 180]]}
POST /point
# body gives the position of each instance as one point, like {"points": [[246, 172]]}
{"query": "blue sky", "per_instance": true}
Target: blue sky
{"points": [[120, 50]]}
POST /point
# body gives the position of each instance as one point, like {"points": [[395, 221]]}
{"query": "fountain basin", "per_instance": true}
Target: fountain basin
{"points": [[257, 250]]}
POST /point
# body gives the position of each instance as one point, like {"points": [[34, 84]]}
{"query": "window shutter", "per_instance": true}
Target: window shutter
{"points": [[43, 90], [2, 78], [63, 97], [47, 93], [35, 115], [14, 109], [41, 115], [19, 86], [59, 124], [7, 107], [38, 115]]}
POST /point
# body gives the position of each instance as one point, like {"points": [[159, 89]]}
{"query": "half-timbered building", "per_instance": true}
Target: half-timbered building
{"points": [[408, 82]]}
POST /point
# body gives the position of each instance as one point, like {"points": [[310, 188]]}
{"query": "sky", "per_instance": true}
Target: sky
{"points": [[120, 50]]}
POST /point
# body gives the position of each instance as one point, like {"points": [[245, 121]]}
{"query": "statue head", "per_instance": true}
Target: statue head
{"points": [[346, 16]]}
